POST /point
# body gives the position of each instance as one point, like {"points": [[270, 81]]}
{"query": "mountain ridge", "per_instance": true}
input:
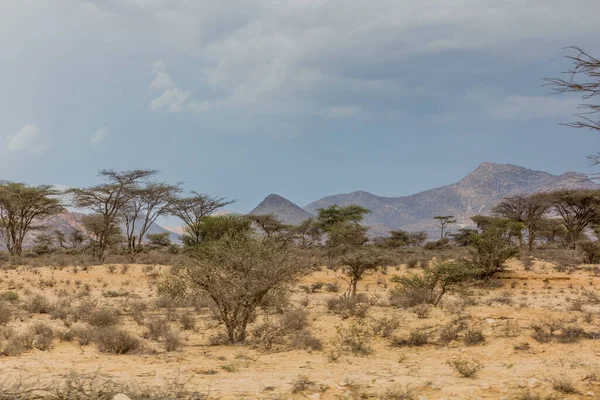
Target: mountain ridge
{"points": [[475, 193]]}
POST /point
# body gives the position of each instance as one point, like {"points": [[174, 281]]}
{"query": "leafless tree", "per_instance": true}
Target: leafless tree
{"points": [[22, 209], [107, 200], [193, 209], [583, 78]]}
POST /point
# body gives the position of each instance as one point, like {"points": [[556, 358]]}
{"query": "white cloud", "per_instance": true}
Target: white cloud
{"points": [[99, 136], [26, 139], [342, 111], [171, 98]]}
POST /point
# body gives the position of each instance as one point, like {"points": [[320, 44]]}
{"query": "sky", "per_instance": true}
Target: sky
{"points": [[304, 98]]}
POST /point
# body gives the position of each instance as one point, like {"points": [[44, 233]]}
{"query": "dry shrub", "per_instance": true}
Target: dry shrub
{"points": [[103, 317], [332, 287], [398, 393], [385, 326], [465, 368], [564, 384], [137, 309], [83, 333], [450, 331], [43, 336], [38, 304], [5, 313], [294, 319], [422, 310], [115, 341], [355, 338], [187, 321], [267, 334], [172, 341], [474, 337], [415, 338], [349, 306], [304, 340], [301, 384], [156, 328]]}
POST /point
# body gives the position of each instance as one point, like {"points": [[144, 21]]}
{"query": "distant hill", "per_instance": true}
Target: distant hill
{"points": [[477, 193], [286, 211]]}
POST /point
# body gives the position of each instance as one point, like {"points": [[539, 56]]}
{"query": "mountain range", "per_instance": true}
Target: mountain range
{"points": [[476, 193]]}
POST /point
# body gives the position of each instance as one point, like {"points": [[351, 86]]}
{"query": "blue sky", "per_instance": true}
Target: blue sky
{"points": [[304, 98]]}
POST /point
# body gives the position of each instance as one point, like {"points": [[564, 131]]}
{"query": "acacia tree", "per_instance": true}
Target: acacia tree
{"points": [[343, 229], [107, 200], [146, 203], [577, 208], [236, 273], [356, 264], [528, 210], [444, 221], [192, 210], [308, 233], [22, 208]]}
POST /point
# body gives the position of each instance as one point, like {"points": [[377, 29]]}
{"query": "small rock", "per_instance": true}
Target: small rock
{"points": [[591, 394], [315, 396], [423, 398], [533, 383], [522, 384], [504, 398], [484, 385], [121, 396], [490, 321]]}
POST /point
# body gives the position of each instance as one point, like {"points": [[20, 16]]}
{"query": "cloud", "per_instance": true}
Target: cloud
{"points": [[342, 111], [171, 99], [99, 136], [26, 139]]}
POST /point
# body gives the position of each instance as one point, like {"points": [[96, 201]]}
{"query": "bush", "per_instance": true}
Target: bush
{"points": [[355, 338], [415, 338], [157, 329], [103, 317], [237, 273], [563, 384], [431, 286], [489, 251], [398, 393], [474, 337], [83, 334], [591, 252], [187, 321], [172, 341], [465, 368], [38, 304], [43, 336], [294, 319], [5, 314], [9, 296], [385, 326], [306, 341], [115, 341], [348, 306]]}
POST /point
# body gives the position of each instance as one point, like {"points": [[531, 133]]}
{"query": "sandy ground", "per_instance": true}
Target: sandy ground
{"points": [[229, 372]]}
